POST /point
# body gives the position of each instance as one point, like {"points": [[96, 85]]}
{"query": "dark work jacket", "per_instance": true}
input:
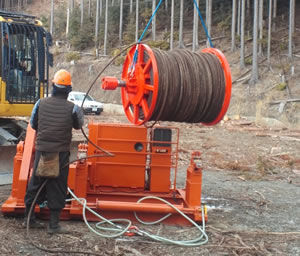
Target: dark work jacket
{"points": [[54, 118]]}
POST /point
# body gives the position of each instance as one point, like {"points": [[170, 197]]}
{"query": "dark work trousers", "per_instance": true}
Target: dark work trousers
{"points": [[55, 190]]}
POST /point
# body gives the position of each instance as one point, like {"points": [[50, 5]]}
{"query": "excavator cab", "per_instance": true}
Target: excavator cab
{"points": [[24, 66]]}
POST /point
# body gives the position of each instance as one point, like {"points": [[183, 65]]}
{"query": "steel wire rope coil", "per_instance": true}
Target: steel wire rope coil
{"points": [[180, 86], [204, 78], [217, 96]]}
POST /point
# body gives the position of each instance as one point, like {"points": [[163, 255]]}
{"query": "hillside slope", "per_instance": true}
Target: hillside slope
{"points": [[246, 99]]}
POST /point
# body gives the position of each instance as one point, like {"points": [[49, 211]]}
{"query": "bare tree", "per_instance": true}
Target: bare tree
{"points": [[100, 7], [130, 8], [260, 21], [195, 28], [153, 21], [274, 14], [239, 18], [72, 6], [89, 9], [291, 26], [181, 44], [269, 34], [242, 50], [233, 24], [248, 15], [293, 14], [254, 76], [208, 19], [68, 18], [105, 27], [97, 25], [172, 25], [82, 12], [52, 17], [137, 20], [121, 22]]}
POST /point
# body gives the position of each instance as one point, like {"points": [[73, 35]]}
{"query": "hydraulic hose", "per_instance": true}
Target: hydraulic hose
{"points": [[92, 84], [106, 153], [31, 211]]}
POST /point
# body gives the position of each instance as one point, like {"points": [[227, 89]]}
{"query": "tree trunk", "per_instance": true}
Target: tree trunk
{"points": [[72, 5], [274, 14], [172, 26], [166, 5], [105, 27], [97, 26], [239, 18], [233, 25], [291, 25], [130, 8], [293, 16], [261, 13], [82, 12], [121, 22], [137, 20], [248, 15], [68, 19], [254, 76], [181, 43], [89, 10], [52, 17], [269, 34], [208, 19], [153, 21], [242, 50], [101, 8], [195, 28]]}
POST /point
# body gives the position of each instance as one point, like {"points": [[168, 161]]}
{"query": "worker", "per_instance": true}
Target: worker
{"points": [[53, 118], [14, 68]]}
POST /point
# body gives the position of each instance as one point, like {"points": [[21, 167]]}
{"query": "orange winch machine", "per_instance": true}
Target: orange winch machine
{"points": [[145, 160]]}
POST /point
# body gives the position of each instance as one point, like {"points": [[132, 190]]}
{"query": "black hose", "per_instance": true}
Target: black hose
{"points": [[31, 211], [92, 84], [106, 153]]}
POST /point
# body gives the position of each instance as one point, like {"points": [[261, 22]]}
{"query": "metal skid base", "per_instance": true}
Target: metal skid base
{"points": [[144, 164]]}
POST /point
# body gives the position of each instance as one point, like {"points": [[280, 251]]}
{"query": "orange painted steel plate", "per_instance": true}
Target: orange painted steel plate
{"points": [[228, 83], [140, 94]]}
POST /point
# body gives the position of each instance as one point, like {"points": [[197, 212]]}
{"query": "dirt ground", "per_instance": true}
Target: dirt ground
{"points": [[251, 170], [252, 198]]}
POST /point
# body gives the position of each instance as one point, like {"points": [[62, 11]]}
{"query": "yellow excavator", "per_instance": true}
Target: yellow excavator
{"points": [[24, 71]]}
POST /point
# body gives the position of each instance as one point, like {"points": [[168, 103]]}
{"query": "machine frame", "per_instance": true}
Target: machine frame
{"points": [[144, 165]]}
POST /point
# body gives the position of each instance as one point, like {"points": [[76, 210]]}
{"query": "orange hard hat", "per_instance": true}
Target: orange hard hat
{"points": [[62, 77]]}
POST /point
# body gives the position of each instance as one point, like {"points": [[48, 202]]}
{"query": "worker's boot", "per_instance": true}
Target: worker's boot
{"points": [[54, 227], [33, 223]]}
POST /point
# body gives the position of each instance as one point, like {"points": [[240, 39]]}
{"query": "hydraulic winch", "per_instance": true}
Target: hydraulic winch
{"points": [[180, 86]]}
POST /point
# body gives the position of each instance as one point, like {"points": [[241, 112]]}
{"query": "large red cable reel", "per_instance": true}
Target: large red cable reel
{"points": [[140, 83]]}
